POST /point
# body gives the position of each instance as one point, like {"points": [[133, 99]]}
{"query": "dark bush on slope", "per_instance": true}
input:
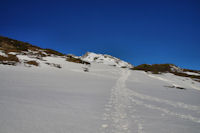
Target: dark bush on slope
{"points": [[32, 63], [70, 58], [155, 68], [163, 68]]}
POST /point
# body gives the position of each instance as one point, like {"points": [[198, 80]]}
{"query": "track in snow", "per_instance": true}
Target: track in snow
{"points": [[117, 111], [120, 113]]}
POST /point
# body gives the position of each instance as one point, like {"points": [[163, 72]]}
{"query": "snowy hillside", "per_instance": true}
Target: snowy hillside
{"points": [[104, 100], [44, 91], [14, 52], [105, 59]]}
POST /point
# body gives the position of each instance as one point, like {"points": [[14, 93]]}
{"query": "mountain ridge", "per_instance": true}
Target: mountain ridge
{"points": [[47, 91], [105, 59], [14, 52], [10, 48]]}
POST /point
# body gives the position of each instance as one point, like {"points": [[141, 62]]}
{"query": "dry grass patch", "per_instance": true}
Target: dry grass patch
{"points": [[50, 51], [155, 68], [11, 45], [32, 62], [76, 60], [163, 68], [9, 60]]}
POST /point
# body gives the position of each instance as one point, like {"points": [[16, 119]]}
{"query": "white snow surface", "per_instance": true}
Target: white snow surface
{"points": [[106, 99], [3, 54], [192, 73], [105, 59]]}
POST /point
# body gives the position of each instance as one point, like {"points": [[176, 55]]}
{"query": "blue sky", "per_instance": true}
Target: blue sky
{"points": [[137, 31]]}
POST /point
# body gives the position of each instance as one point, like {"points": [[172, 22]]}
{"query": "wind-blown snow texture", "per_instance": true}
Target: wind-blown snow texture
{"points": [[106, 99]]}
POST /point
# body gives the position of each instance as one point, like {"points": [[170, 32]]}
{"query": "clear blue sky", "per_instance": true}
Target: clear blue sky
{"points": [[138, 31]]}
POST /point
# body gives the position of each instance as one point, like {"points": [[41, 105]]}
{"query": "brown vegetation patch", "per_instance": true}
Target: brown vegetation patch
{"points": [[50, 51], [32, 62], [189, 70], [41, 54], [155, 68], [76, 60], [9, 60], [53, 65], [195, 77], [163, 68], [11, 45]]}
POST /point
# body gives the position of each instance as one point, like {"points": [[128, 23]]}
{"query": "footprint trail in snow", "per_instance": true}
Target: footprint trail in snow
{"points": [[117, 111], [124, 112]]}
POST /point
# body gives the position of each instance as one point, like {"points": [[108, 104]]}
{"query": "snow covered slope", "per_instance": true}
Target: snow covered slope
{"points": [[105, 59], [44, 91], [14, 52], [104, 100]]}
